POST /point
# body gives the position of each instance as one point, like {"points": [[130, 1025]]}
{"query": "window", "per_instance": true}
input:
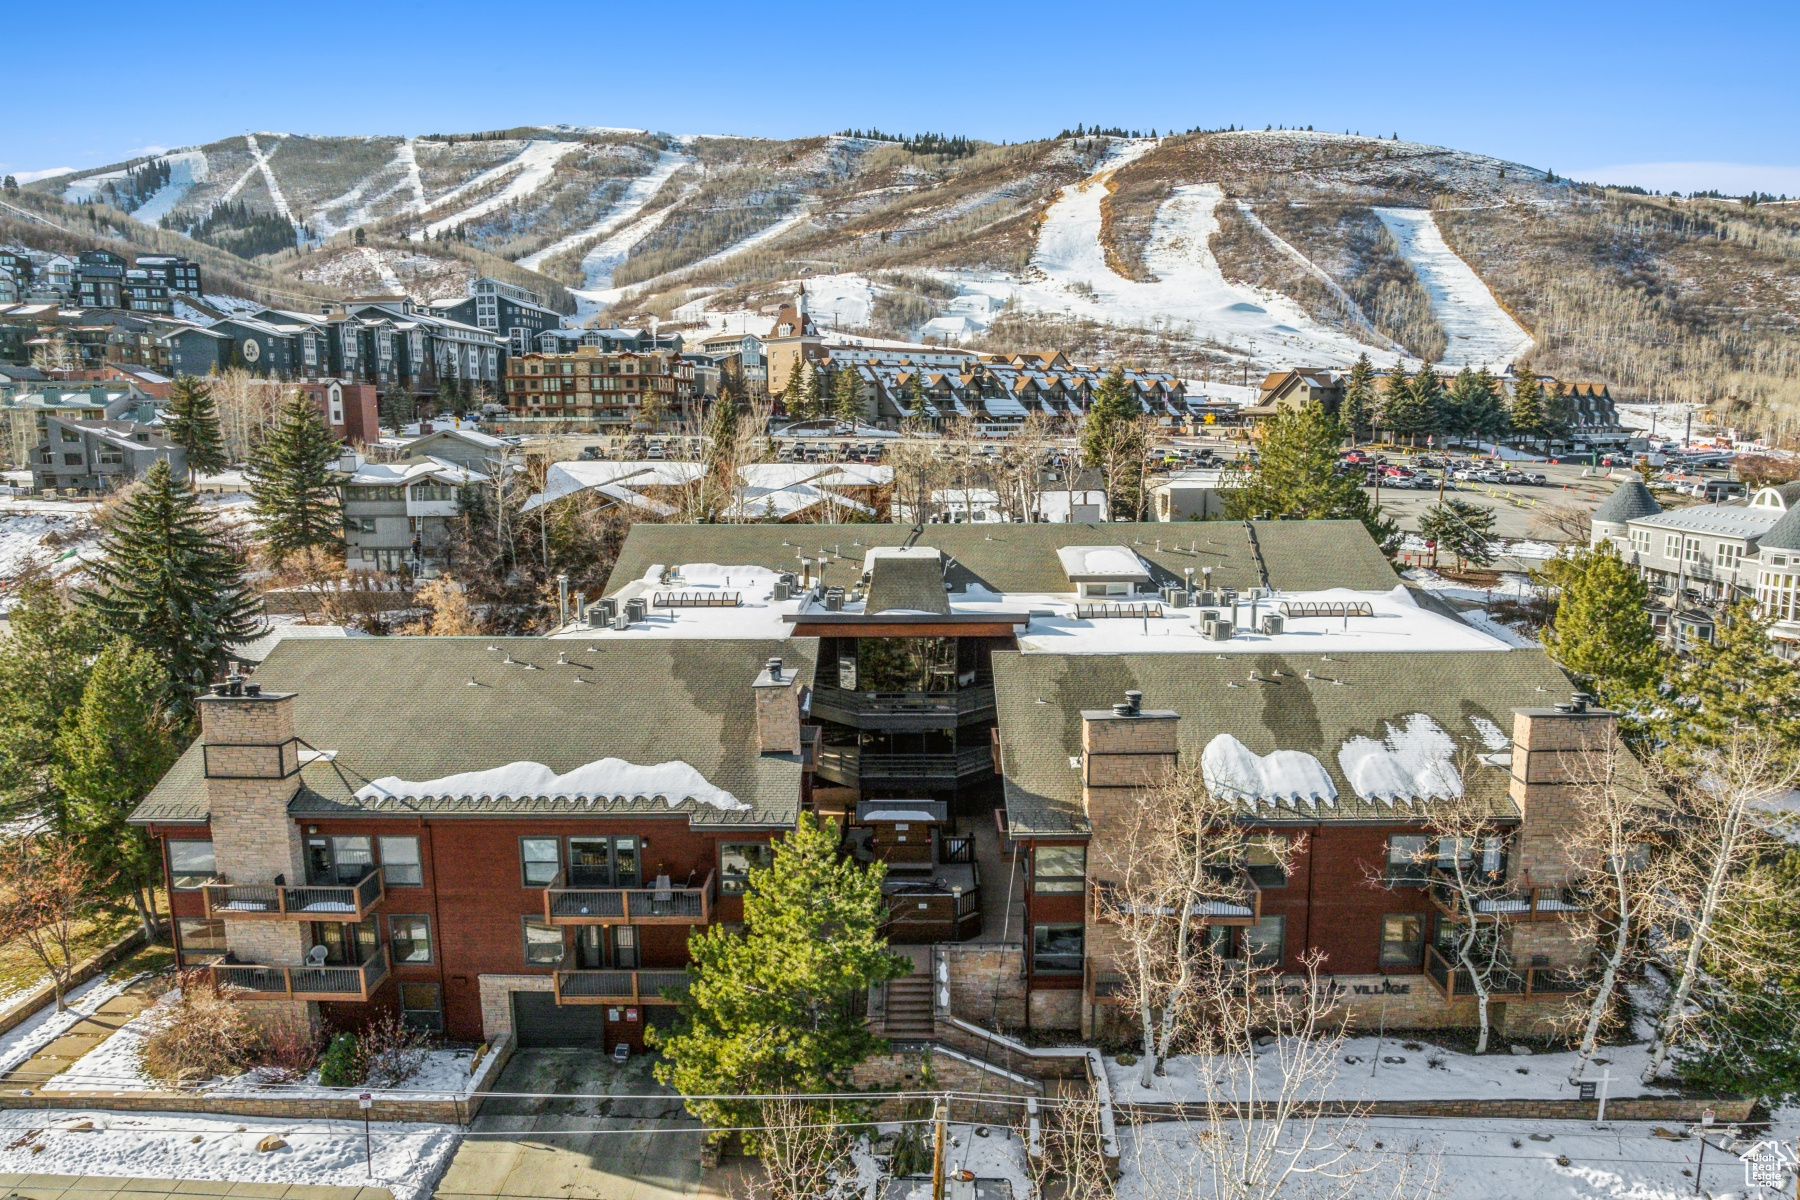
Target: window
{"points": [[1728, 556], [737, 860], [201, 941], [191, 864], [1106, 589], [1057, 870], [540, 859], [400, 862], [1266, 860], [422, 1006], [410, 938], [1263, 941], [347, 945], [69, 435], [543, 944], [339, 861], [1672, 546], [71, 460], [1691, 553], [1056, 948], [1408, 860], [1640, 541], [1402, 940]]}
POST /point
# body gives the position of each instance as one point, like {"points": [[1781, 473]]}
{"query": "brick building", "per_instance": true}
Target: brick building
{"points": [[595, 387]]}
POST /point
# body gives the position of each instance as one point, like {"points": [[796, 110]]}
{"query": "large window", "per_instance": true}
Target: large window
{"points": [[347, 945], [543, 944], [1266, 860], [1263, 941], [1402, 940], [191, 864], [1409, 860], [1058, 869], [400, 865], [737, 860], [539, 861], [1056, 949], [201, 941], [339, 860], [422, 1006], [409, 935]]}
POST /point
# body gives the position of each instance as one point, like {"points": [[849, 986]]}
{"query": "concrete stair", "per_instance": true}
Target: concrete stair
{"points": [[909, 1008]]}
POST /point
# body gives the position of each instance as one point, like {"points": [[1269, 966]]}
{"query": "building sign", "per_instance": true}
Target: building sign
{"points": [[1333, 988]]}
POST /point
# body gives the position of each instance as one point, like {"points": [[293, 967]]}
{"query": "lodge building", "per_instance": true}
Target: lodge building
{"points": [[497, 835]]}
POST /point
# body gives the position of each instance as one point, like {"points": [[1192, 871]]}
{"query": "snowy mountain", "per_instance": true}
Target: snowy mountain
{"points": [[1219, 253]]}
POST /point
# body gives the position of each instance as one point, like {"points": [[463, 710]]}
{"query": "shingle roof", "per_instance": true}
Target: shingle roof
{"points": [[1040, 698], [1629, 501], [422, 708], [909, 584], [1300, 555], [1785, 534]]}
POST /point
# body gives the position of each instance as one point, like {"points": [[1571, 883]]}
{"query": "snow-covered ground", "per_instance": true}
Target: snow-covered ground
{"points": [[1469, 1158], [760, 238], [1481, 333], [407, 1159], [186, 168], [994, 1152], [25, 523], [1512, 587], [262, 163], [357, 203], [598, 264], [530, 169], [637, 194], [46, 1025], [1191, 294]]}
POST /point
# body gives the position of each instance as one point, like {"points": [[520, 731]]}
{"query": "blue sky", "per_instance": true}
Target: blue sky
{"points": [[1664, 95]]}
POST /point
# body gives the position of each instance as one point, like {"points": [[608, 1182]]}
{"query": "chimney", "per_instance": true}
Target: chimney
{"points": [[562, 601], [1124, 750], [1556, 752], [778, 696]]}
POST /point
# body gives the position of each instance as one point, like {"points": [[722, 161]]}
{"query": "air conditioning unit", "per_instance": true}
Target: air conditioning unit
{"points": [[635, 609], [780, 591], [1219, 631], [1273, 623]]}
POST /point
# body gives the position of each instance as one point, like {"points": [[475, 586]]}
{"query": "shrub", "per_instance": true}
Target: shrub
{"points": [[393, 1050], [288, 1051], [199, 1033], [343, 1064]]}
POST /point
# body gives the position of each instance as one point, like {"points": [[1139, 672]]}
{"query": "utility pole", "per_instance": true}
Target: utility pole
{"points": [[939, 1113]]}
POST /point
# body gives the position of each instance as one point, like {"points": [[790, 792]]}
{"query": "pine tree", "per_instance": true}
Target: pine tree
{"points": [[845, 404], [1487, 419], [291, 485], [1734, 680], [1296, 476], [1427, 404], [1462, 529], [167, 580], [1601, 633], [915, 396], [192, 422], [1460, 403], [772, 1008], [1399, 403], [801, 396], [113, 748], [1358, 406], [1113, 442], [44, 665], [1527, 417]]}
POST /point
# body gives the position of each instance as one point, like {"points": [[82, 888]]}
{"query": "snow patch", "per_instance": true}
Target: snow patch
{"points": [[1481, 333], [186, 168], [603, 779], [1415, 761], [637, 194], [1231, 768], [531, 169]]}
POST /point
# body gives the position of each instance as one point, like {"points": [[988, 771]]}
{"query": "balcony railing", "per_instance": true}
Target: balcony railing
{"points": [[1240, 907], [933, 910], [903, 711], [851, 766], [618, 987], [356, 983], [956, 849], [1504, 981], [1523, 903], [565, 904], [270, 901]]}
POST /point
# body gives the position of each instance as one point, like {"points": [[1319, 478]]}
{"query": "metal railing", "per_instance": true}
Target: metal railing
{"points": [[956, 850], [565, 904], [619, 987], [1505, 981], [308, 902], [306, 982], [1522, 903], [850, 763], [695, 600], [1100, 612], [964, 702], [1326, 608]]}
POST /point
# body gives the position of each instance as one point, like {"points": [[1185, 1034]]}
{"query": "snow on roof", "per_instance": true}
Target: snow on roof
{"points": [[1101, 562], [1415, 761], [473, 436], [762, 503], [567, 478], [606, 778], [409, 472], [774, 475], [257, 648], [755, 615], [897, 814], [1232, 769]]}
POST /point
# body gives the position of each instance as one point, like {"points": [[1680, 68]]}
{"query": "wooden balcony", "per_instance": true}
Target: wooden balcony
{"points": [[568, 905], [1242, 908], [618, 987], [278, 902], [1522, 903], [1504, 983], [352, 984], [942, 907]]}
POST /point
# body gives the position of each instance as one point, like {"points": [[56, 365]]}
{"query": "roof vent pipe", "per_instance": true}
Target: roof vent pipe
{"points": [[1135, 701], [562, 600], [775, 669]]}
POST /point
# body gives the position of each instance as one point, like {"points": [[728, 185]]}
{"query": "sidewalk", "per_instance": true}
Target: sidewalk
{"points": [[100, 1187]]}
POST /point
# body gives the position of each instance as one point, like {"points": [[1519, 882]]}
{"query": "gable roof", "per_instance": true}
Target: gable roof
{"points": [[1785, 534], [1040, 698], [450, 705]]}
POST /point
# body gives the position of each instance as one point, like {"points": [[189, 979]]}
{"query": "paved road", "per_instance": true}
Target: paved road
{"points": [[540, 1149]]}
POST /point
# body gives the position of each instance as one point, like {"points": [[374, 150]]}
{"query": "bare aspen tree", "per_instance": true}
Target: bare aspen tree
{"points": [[1063, 1155], [919, 469], [1178, 860], [1022, 463], [1715, 799], [804, 1152]]}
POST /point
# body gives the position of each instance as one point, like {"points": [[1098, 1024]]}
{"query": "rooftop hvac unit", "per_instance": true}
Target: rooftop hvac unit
{"points": [[1219, 631], [1176, 597], [834, 600], [621, 622], [1207, 599], [780, 591], [603, 612], [1208, 615], [634, 609], [1227, 597], [1273, 623]]}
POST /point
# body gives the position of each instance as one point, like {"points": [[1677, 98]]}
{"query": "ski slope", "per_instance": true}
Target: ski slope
{"points": [[186, 168], [1190, 296], [358, 204], [1481, 333], [262, 162], [637, 194], [531, 168]]}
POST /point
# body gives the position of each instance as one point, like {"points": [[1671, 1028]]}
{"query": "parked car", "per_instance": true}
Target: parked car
{"points": [[1533, 477]]}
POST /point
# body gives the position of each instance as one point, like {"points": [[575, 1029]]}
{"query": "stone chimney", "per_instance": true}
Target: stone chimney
{"points": [[778, 696], [1124, 750], [251, 759], [1556, 752]]}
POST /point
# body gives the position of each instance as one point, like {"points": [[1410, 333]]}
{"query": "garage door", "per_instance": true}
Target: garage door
{"points": [[539, 1021]]}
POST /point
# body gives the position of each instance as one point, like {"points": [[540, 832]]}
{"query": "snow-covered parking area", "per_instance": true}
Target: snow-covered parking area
{"points": [[407, 1159]]}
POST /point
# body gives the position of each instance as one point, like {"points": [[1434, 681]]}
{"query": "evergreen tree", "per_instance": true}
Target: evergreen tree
{"points": [[1461, 400], [1734, 680], [113, 748], [773, 1007], [915, 396], [44, 664], [1399, 403], [1601, 633], [167, 580], [192, 422], [1527, 417], [1462, 529], [845, 405], [1358, 407], [1487, 417], [802, 395], [1296, 476], [1427, 404], [291, 484], [1113, 442]]}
